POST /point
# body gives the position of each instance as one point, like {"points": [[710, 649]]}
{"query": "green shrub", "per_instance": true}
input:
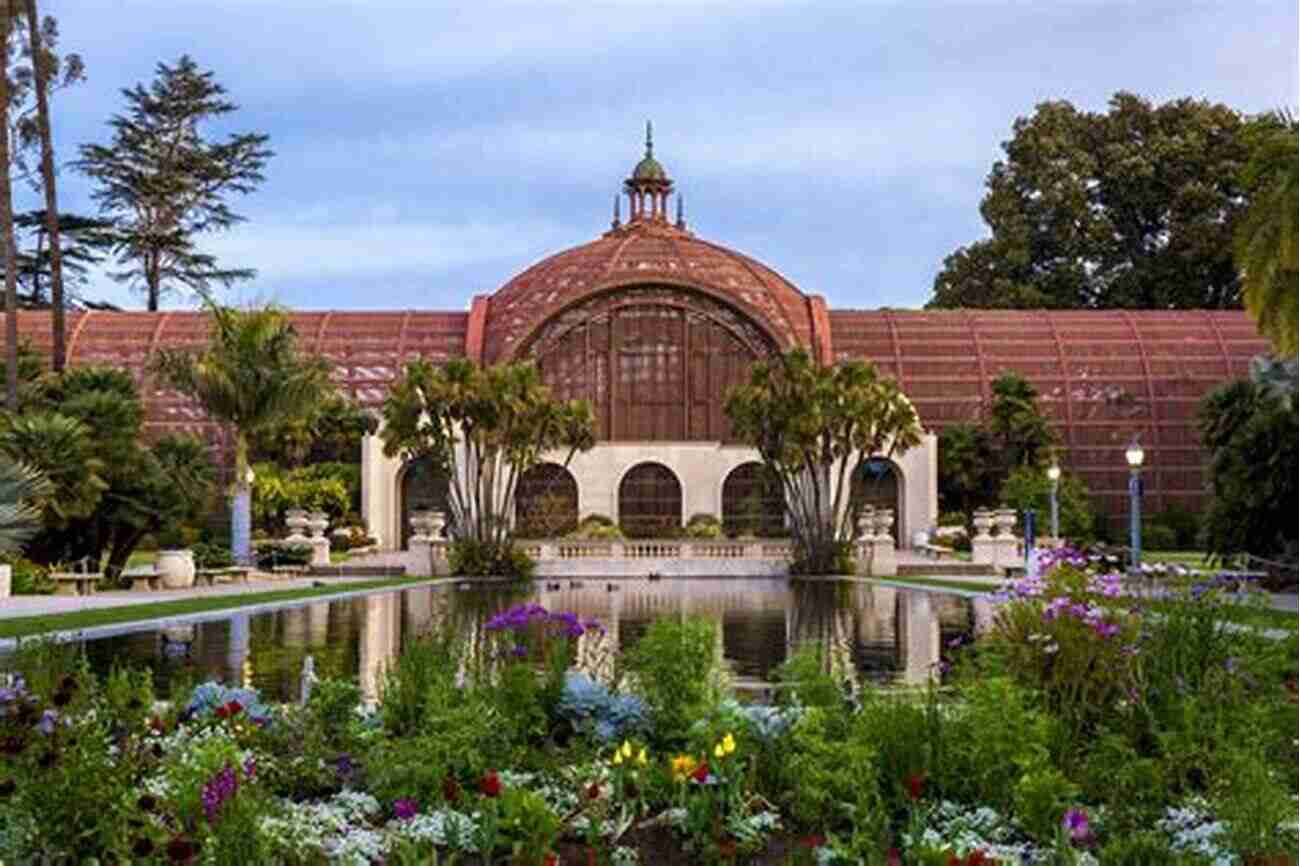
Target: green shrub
{"points": [[1041, 798], [207, 555], [676, 671], [904, 729], [1185, 524], [1141, 848], [1158, 536], [273, 554], [27, 577], [470, 558], [1028, 487], [1256, 802], [422, 676], [333, 703], [703, 526], [829, 777], [808, 680]]}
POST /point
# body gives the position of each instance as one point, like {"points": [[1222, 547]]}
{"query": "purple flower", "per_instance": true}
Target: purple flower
{"points": [[217, 791], [519, 651], [405, 808], [250, 767], [1075, 823], [46, 724]]}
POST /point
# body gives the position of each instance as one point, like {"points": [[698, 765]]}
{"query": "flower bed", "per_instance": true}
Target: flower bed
{"points": [[1083, 729]]}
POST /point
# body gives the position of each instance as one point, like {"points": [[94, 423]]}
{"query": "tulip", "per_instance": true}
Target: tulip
{"points": [[728, 744], [642, 758]]}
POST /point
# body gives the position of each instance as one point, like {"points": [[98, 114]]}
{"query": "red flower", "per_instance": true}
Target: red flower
{"points": [[727, 847], [812, 841], [234, 708], [977, 858], [593, 791], [222, 711], [701, 773], [915, 785], [551, 860], [158, 725], [451, 789], [182, 850], [893, 858], [490, 784]]}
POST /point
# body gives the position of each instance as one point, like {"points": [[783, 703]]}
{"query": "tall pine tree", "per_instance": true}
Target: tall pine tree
{"points": [[163, 183]]}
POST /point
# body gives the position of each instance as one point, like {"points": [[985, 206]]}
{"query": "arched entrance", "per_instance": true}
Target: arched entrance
{"points": [[423, 488], [649, 501], [878, 483], [546, 502], [753, 502]]}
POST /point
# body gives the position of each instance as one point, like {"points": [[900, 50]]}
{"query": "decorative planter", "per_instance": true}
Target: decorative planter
{"points": [[866, 520], [1005, 518], [422, 525], [884, 521], [318, 522], [983, 521], [297, 521], [175, 568]]}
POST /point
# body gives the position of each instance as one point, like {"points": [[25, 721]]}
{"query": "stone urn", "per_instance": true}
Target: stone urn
{"points": [[422, 525], [318, 522], [983, 522], [175, 568], [866, 520], [297, 520], [1005, 518], [884, 522]]}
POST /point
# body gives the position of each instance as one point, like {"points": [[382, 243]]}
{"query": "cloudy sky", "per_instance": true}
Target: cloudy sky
{"points": [[428, 152]]}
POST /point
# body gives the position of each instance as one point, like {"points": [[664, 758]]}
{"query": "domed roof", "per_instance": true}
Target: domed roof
{"points": [[651, 253], [649, 169]]}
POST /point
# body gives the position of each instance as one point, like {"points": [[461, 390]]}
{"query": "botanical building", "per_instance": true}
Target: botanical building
{"points": [[654, 324]]}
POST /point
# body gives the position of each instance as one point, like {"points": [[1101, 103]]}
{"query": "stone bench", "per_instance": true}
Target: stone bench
{"points": [[68, 583], [210, 576], [145, 582]]}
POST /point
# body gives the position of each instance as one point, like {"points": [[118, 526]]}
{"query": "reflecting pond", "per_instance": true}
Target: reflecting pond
{"points": [[886, 634]]}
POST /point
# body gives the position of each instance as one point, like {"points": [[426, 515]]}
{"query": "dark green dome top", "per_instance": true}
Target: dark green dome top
{"points": [[649, 168]]}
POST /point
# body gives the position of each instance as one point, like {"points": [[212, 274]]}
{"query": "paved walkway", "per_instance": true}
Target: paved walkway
{"points": [[41, 605]]}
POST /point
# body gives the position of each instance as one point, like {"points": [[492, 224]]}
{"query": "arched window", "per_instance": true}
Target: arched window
{"points": [[649, 501], [877, 484], [655, 363], [546, 502], [424, 488], [752, 502]]}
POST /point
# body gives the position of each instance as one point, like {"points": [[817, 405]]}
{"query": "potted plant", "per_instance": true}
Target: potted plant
{"points": [[175, 565]]}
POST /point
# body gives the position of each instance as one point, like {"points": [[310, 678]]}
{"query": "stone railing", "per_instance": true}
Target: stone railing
{"points": [[649, 549]]}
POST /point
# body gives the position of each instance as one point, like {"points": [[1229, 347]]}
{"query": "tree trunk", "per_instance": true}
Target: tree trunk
{"points": [[59, 352], [7, 224], [241, 507]]}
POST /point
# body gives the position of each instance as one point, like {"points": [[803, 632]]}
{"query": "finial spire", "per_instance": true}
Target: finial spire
{"points": [[681, 219], [649, 140], [617, 221]]}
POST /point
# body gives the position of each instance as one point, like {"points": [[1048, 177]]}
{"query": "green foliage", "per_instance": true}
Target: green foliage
{"points": [[1182, 522], [1250, 435], [21, 488], [276, 491], [158, 151], [674, 665], [976, 460], [468, 557], [1029, 487], [1267, 236], [815, 427], [1255, 800], [330, 433], [272, 554], [703, 526], [423, 674], [596, 527], [1041, 797], [806, 675], [207, 555], [334, 702], [1131, 208], [484, 428], [830, 777], [27, 577]]}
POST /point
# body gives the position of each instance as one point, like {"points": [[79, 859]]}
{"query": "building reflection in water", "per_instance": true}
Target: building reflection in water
{"points": [[873, 632]]}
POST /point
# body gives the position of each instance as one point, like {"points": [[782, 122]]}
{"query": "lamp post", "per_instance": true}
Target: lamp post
{"points": [[1135, 455], [1054, 475]]}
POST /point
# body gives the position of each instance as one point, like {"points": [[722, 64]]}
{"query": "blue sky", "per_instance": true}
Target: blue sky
{"points": [[428, 152]]}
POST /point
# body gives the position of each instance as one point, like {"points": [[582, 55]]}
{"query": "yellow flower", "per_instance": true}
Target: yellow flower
{"points": [[718, 751], [627, 749], [683, 766], [728, 744], [618, 758], [642, 758]]}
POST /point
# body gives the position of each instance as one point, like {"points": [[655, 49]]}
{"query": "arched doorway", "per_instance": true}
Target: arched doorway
{"points": [[649, 501], [878, 484], [753, 502], [423, 488], [546, 502]]}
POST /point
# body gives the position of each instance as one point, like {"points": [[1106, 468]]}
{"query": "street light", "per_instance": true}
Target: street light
{"points": [[1054, 475], [1135, 455]]}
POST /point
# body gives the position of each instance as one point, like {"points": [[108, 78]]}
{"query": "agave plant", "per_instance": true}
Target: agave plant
{"points": [[21, 487]]}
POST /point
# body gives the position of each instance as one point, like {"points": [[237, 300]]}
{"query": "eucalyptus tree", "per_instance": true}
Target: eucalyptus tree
{"points": [[484, 427], [251, 376], [816, 427], [10, 251]]}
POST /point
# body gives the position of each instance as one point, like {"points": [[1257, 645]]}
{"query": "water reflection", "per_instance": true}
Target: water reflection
{"points": [[885, 634]]}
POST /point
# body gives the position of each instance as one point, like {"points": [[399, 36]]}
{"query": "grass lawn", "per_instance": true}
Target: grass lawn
{"points": [[28, 626]]}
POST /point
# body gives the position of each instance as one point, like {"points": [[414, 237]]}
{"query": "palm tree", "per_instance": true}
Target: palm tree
{"points": [[250, 377], [1266, 239], [20, 516]]}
